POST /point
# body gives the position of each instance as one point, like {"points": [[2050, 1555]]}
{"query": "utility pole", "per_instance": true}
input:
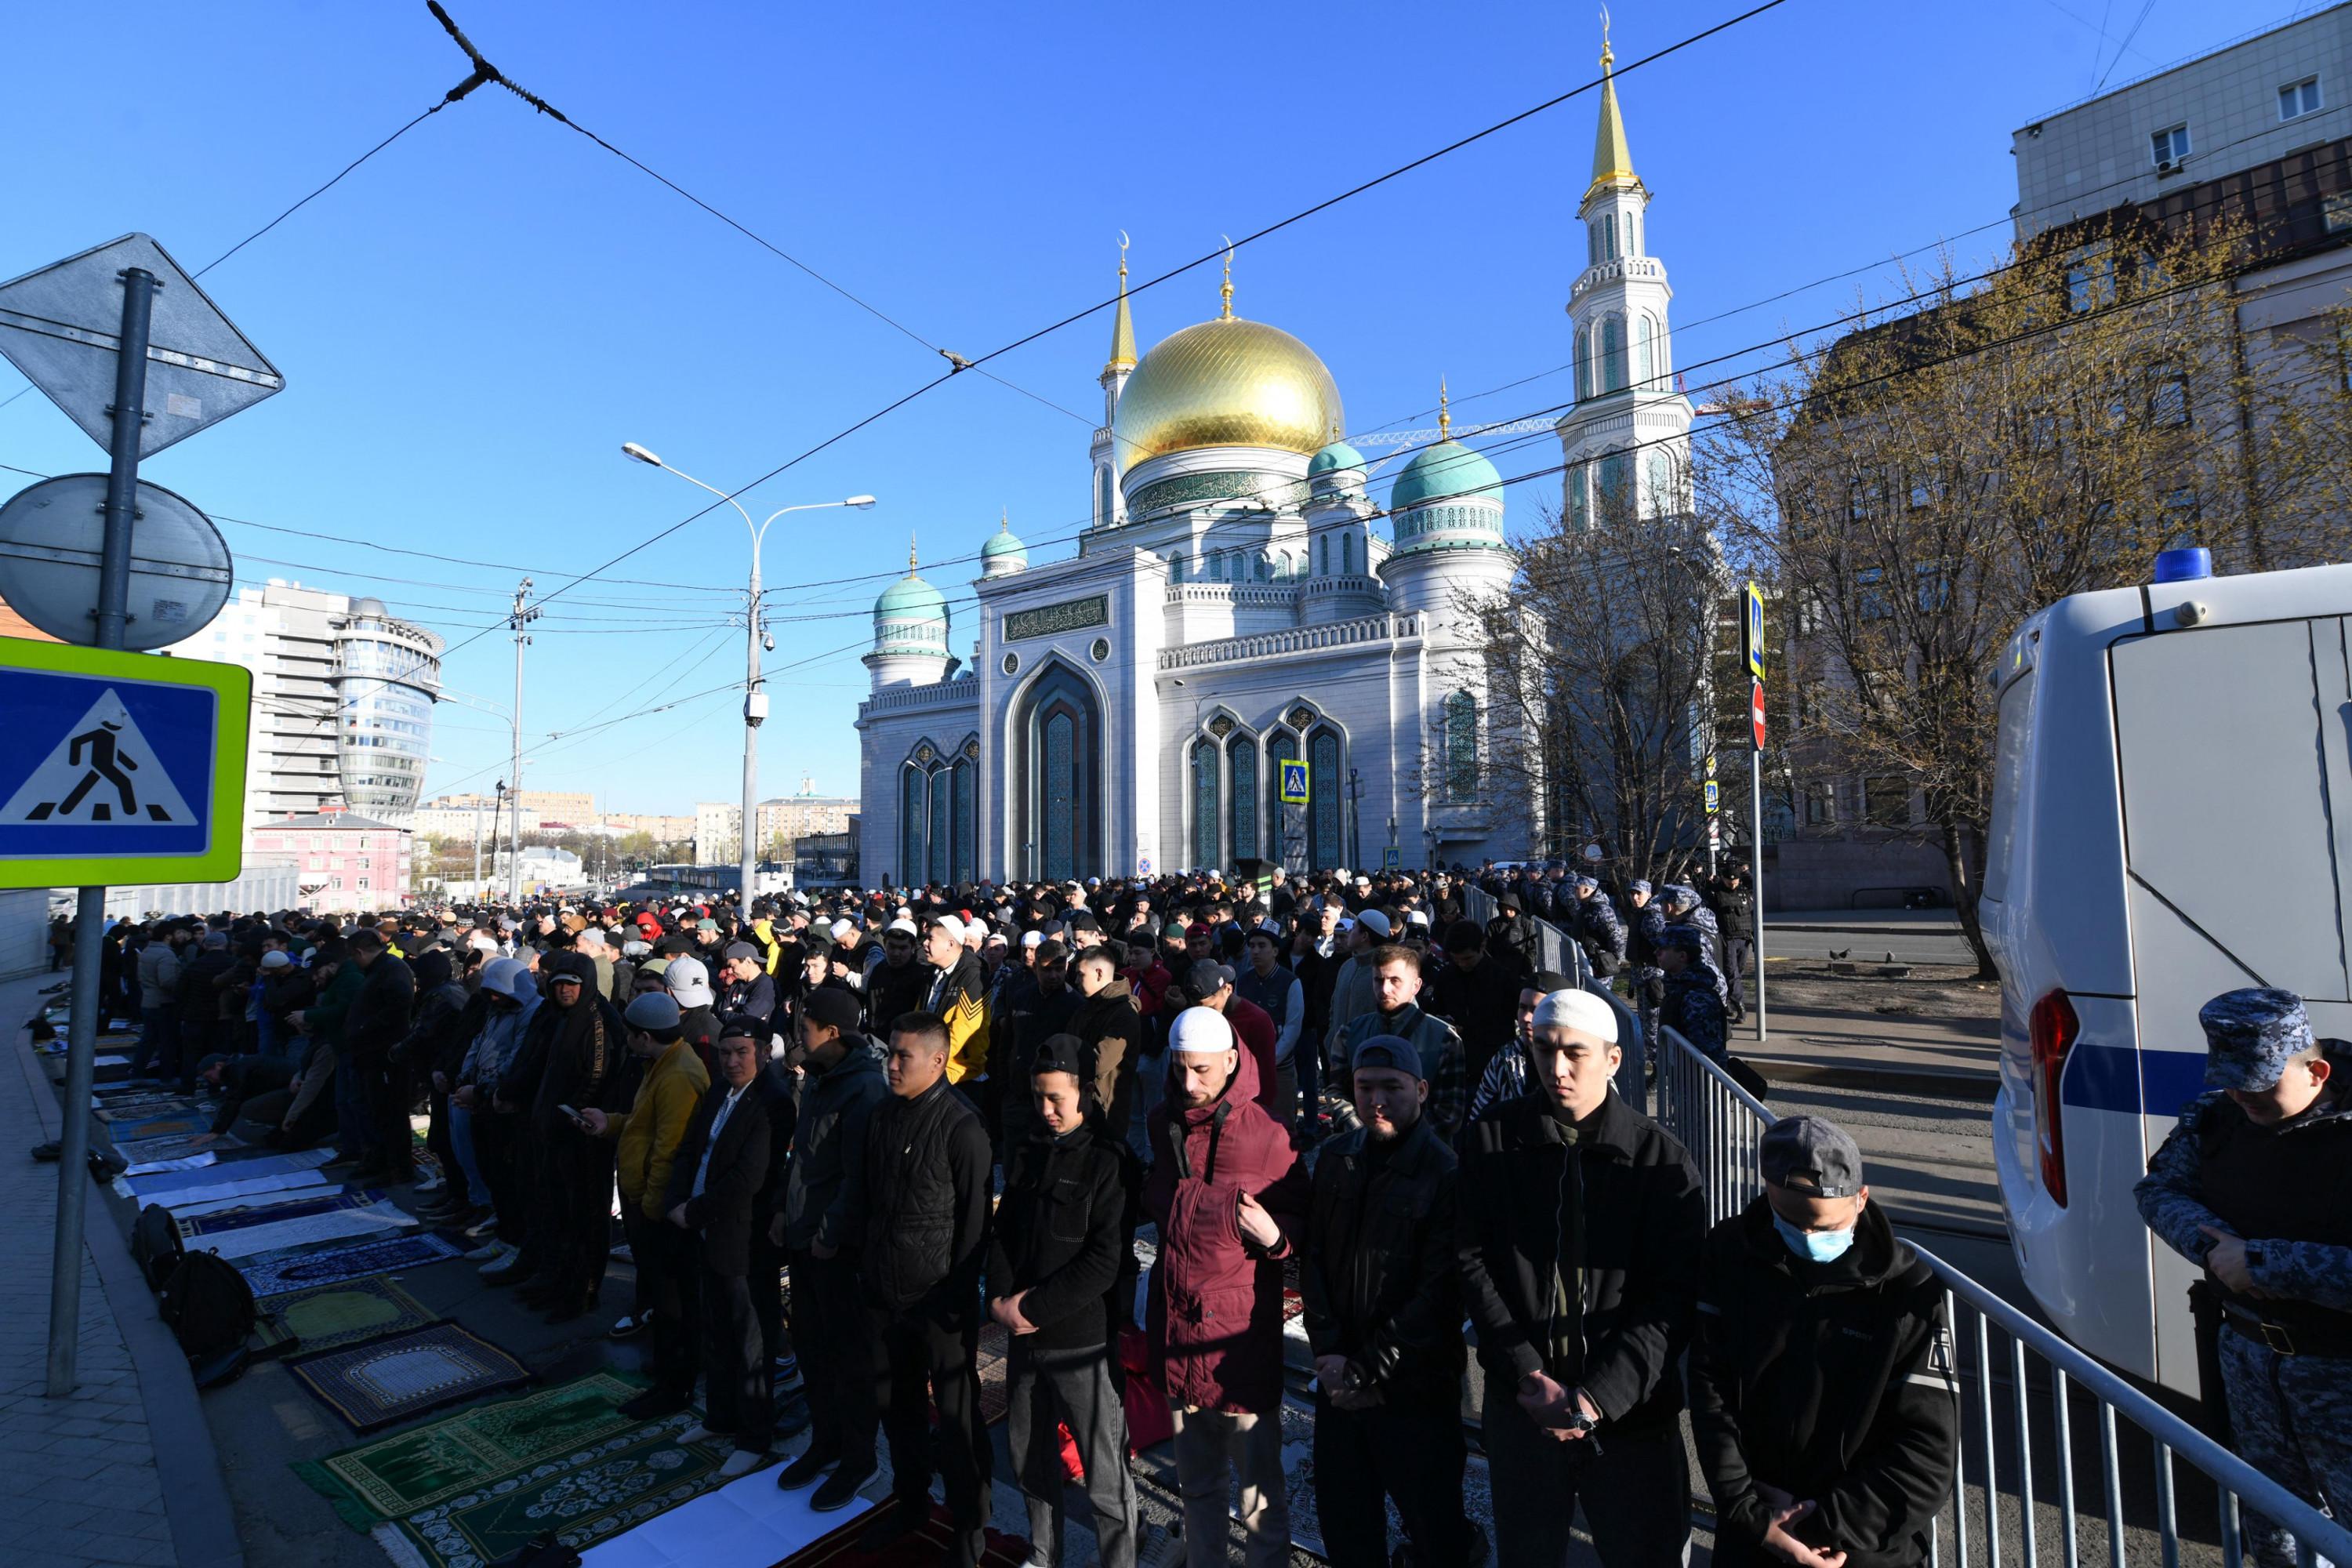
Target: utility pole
{"points": [[755, 708], [477, 846], [520, 620]]}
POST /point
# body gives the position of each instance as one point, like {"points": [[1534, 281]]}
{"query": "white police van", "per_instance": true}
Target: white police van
{"points": [[2171, 820]]}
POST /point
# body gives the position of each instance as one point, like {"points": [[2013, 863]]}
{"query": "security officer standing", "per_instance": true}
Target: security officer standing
{"points": [[1647, 928], [2255, 1186]]}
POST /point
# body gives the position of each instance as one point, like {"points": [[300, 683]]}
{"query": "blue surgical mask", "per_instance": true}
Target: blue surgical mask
{"points": [[1816, 1245]]}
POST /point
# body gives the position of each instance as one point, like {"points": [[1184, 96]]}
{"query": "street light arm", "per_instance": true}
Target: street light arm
{"points": [[714, 490]]}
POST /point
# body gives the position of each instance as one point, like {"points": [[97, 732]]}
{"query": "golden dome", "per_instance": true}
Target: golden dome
{"points": [[1226, 383]]}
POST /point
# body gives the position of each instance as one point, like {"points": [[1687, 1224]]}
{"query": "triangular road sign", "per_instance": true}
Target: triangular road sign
{"points": [[100, 770]]}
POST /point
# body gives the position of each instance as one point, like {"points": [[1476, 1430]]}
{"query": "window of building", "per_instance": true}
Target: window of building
{"points": [[2180, 515], [2335, 211], [1205, 799], [1820, 806], [1862, 497], [1614, 500], [363, 884], [1927, 485], [1580, 508], [2090, 278], [1886, 801], [1870, 594], [1323, 552], [1461, 748], [2170, 146], [1612, 353], [1935, 590], [2297, 98], [2168, 397], [1643, 371]]}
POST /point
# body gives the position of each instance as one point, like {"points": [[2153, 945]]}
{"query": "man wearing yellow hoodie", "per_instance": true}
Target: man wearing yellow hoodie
{"points": [[649, 1134]]}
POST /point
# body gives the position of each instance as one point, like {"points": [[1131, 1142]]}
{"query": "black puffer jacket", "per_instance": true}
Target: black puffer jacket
{"points": [[1580, 1254], [1829, 1381], [1380, 1279], [1061, 1233], [926, 1215], [828, 1162], [379, 1016]]}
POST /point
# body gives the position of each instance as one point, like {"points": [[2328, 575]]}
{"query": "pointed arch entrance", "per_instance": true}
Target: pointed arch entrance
{"points": [[1057, 746]]}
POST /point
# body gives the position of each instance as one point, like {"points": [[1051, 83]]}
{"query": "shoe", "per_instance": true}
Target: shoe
{"points": [[698, 1433], [839, 1490], [803, 1470], [653, 1404], [483, 1229], [433, 1184], [489, 1252], [788, 1378], [627, 1326], [508, 1270], [441, 1210], [742, 1462]]}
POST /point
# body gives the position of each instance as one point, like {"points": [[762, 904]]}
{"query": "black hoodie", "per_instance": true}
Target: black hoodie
{"points": [[1829, 1381]]}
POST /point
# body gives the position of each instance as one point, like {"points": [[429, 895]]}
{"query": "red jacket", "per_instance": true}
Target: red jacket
{"points": [[1215, 1314], [1150, 983], [1253, 1028]]}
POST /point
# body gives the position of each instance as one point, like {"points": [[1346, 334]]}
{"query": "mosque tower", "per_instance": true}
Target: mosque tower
{"points": [[1003, 554], [910, 633], [1626, 441], [1446, 511], [1109, 506]]}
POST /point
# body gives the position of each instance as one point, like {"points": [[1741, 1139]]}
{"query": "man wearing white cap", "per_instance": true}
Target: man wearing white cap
{"points": [[1227, 1192], [1579, 1264]]}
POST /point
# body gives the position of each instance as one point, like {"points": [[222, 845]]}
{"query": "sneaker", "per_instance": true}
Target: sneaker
{"points": [[805, 1470], [487, 1252], [627, 1326], [841, 1488], [484, 1229], [432, 1183], [698, 1433], [742, 1462], [506, 1270]]}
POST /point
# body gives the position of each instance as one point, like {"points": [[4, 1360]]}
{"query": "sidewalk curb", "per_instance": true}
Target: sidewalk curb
{"points": [[187, 1465], [1932, 1083]]}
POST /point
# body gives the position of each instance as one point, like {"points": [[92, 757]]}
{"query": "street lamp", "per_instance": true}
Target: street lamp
{"points": [[755, 700]]}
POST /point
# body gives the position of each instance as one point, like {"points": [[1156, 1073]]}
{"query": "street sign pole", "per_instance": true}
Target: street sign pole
{"points": [[1756, 878], [129, 413]]}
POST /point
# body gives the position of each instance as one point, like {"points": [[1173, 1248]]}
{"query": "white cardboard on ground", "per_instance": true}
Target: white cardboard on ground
{"points": [[747, 1523]]}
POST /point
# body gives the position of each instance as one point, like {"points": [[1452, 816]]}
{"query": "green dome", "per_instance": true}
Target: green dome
{"points": [[911, 599], [1338, 455], [1004, 543], [1449, 472]]}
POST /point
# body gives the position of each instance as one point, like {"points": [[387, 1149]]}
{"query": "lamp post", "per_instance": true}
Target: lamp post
{"points": [[755, 700]]}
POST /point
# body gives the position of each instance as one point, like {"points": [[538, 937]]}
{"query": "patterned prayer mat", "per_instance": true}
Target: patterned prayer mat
{"points": [[267, 1213], [330, 1316], [275, 1273], [388, 1380], [175, 1123], [996, 1371], [140, 1151], [379, 1219], [468, 1488]]}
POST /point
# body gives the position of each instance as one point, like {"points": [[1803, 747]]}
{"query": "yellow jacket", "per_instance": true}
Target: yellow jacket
{"points": [[650, 1130]]}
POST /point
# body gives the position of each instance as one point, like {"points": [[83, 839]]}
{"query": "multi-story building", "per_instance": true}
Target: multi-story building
{"points": [[342, 701], [718, 829], [345, 862], [663, 829]]}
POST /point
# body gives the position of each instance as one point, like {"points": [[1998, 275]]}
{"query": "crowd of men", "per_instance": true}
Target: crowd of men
{"points": [[886, 1117]]}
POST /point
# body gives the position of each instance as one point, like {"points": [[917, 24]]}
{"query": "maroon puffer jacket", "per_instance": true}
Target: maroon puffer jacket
{"points": [[1215, 1306]]}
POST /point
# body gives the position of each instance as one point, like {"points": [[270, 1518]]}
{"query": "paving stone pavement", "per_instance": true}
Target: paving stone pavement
{"points": [[80, 1484]]}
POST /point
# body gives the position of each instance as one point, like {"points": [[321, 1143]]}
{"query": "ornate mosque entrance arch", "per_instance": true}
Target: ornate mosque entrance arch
{"points": [[1057, 744]]}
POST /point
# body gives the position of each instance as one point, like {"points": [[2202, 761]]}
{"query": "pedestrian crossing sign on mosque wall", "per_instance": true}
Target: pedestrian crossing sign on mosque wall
{"points": [[1294, 784], [120, 767]]}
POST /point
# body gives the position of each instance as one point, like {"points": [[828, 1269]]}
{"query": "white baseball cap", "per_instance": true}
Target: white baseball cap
{"points": [[948, 923]]}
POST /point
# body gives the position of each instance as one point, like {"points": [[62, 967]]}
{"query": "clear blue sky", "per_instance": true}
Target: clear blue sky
{"points": [[473, 322]]}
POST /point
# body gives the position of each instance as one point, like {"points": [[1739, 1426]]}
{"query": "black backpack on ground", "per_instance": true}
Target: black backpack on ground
{"points": [[207, 1305], [155, 1244]]}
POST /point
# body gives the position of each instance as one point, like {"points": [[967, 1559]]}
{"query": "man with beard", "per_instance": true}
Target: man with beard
{"points": [[1396, 978], [570, 1060]]}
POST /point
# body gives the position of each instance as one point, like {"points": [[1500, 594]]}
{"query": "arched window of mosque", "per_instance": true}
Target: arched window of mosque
{"points": [[942, 806], [1642, 370], [1326, 790], [1347, 552], [1175, 568], [1592, 246], [1102, 497], [1579, 511], [1461, 747], [1615, 501], [1264, 565], [1633, 234], [1607, 236], [914, 817], [1204, 804], [1323, 552], [1612, 353], [1241, 756], [1583, 366]]}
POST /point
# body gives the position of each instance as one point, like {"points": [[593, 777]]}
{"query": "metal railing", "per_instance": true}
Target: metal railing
{"points": [[1993, 1507], [1559, 952]]}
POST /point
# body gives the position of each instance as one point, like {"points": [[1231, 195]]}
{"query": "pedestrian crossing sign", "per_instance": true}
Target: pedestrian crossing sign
{"points": [[1294, 784], [122, 767]]}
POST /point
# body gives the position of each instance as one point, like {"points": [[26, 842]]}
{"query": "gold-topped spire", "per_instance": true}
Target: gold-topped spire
{"points": [[1444, 413], [1227, 291], [1005, 519], [1612, 160], [911, 552], [1122, 326]]}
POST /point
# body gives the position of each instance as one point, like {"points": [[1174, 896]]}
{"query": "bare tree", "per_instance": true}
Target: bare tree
{"points": [[1918, 487]]}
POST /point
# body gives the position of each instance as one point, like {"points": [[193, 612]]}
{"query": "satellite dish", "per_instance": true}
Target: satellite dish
{"points": [[52, 539]]}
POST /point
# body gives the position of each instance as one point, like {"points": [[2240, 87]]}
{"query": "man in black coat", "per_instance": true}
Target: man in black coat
{"points": [[1478, 994], [1583, 1221], [379, 1020], [714, 1192], [925, 1221], [1820, 1372], [1384, 1296], [842, 1084], [1062, 1232]]}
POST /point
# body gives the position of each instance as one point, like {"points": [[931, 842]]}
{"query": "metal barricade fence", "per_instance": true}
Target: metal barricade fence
{"points": [[1723, 1127], [1560, 953]]}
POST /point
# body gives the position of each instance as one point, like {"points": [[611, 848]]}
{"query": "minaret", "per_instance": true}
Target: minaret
{"points": [[1626, 439], [1109, 506]]}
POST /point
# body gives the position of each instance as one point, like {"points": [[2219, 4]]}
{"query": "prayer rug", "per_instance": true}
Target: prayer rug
{"points": [[388, 1380], [275, 1273], [385, 1218], [995, 1369], [140, 1149], [265, 1214], [174, 1123], [188, 1208], [330, 1316], [159, 1188]]}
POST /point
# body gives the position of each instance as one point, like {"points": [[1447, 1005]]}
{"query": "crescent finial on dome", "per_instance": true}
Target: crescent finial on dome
{"points": [[1227, 291]]}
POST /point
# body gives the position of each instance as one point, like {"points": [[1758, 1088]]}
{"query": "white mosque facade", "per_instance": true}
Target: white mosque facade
{"points": [[1241, 600]]}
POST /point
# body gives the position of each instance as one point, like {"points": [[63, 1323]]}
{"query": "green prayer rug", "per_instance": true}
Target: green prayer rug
{"points": [[391, 1379], [328, 1317]]}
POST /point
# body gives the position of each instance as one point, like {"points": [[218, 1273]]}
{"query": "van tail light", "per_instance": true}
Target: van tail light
{"points": [[2054, 1029]]}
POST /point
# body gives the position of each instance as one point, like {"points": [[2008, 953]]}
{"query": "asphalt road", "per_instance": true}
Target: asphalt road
{"points": [[1912, 936]]}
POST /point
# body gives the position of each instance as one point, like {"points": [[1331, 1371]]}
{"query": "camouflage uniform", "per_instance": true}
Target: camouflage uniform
{"points": [[2290, 1405], [1693, 1006], [1649, 923], [1594, 924], [1684, 908]]}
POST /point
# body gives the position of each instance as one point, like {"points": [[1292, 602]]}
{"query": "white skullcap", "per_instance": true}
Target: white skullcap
{"points": [[1201, 1029], [1581, 1011], [842, 930]]}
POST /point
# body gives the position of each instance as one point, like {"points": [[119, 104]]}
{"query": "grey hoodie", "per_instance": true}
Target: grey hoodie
{"points": [[492, 1051]]}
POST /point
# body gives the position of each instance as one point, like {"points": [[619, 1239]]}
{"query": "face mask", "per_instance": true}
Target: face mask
{"points": [[1816, 1245]]}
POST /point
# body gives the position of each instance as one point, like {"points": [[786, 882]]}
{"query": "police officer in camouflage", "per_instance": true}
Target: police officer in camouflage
{"points": [[1693, 1006], [1592, 920], [1648, 925], [2255, 1186]]}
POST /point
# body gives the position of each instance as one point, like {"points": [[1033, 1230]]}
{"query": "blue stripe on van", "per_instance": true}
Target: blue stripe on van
{"points": [[2119, 1078]]}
